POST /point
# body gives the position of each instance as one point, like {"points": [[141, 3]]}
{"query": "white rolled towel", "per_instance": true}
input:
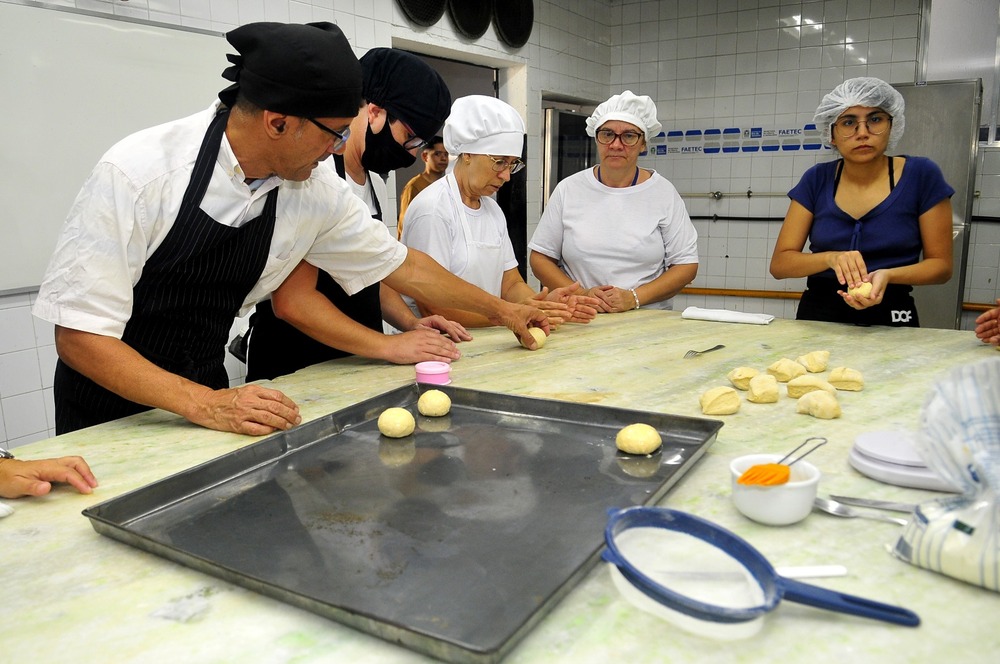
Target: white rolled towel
{"points": [[726, 316]]}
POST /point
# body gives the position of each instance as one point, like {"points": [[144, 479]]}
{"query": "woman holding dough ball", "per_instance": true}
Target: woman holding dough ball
{"points": [[620, 231], [457, 223], [877, 225]]}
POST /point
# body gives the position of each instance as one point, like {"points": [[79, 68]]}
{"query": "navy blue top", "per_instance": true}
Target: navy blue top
{"points": [[889, 234]]}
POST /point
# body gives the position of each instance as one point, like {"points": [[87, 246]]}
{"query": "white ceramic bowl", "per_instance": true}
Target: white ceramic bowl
{"points": [[778, 505]]}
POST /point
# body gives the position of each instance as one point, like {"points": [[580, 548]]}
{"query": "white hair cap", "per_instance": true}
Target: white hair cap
{"points": [[863, 91], [638, 110], [483, 125]]}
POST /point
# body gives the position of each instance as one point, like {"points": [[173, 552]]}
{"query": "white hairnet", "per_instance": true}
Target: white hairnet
{"points": [[638, 110], [863, 91], [483, 125]]}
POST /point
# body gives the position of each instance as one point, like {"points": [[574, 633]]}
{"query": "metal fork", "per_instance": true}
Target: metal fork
{"points": [[695, 353]]}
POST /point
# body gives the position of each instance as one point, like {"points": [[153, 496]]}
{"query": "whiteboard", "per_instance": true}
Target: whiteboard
{"points": [[72, 84]]}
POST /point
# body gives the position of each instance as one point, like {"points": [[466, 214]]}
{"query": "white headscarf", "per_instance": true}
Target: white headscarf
{"points": [[638, 110], [483, 125], [863, 91]]}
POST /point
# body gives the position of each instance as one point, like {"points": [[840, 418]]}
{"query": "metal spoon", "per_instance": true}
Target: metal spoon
{"points": [[839, 509]]}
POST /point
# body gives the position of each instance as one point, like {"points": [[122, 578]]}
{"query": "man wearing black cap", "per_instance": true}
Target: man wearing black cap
{"points": [[405, 101], [182, 226]]}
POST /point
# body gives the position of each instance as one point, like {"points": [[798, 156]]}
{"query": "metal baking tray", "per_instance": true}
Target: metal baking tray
{"points": [[454, 541]]}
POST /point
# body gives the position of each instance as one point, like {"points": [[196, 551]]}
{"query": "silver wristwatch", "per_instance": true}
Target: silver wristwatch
{"points": [[5, 454]]}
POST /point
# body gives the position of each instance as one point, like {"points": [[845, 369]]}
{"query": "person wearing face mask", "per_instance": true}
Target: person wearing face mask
{"points": [[183, 226], [405, 100], [869, 217], [457, 222]]}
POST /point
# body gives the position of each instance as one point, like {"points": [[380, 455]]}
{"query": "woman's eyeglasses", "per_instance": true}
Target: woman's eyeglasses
{"points": [[341, 136], [501, 165], [876, 124], [628, 138]]}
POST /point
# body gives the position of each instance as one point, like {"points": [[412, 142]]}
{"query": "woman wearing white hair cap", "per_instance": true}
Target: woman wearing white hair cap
{"points": [[877, 225], [457, 223], [620, 231]]}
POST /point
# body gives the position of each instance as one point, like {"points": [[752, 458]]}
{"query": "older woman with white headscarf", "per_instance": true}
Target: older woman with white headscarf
{"points": [[876, 224], [456, 221], [621, 231]]}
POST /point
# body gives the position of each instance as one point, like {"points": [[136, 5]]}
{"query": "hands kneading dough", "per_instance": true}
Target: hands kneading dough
{"points": [[763, 389], [785, 370], [720, 401], [638, 438], [819, 404]]}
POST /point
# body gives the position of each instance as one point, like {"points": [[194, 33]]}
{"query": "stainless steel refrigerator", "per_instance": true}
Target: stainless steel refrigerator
{"points": [[942, 123]]}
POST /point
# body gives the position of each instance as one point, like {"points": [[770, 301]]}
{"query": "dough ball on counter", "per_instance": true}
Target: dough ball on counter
{"points": [[785, 370], [819, 404], [740, 377], [396, 423], [864, 290], [539, 335], [763, 389], [720, 401], [847, 379], [638, 438], [816, 361], [803, 385], [434, 403]]}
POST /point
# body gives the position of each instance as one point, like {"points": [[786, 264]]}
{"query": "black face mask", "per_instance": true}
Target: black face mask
{"points": [[382, 153]]}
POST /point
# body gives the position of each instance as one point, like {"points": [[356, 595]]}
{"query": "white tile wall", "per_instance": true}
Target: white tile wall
{"points": [[706, 63]]}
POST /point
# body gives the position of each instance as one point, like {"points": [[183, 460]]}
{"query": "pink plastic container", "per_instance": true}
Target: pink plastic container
{"points": [[434, 373]]}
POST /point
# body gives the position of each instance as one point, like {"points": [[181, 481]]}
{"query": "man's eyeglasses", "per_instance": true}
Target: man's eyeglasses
{"points": [[341, 136], [628, 138], [414, 141], [501, 165], [876, 124]]}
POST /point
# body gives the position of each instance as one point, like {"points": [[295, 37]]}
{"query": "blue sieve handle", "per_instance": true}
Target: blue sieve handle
{"points": [[804, 593]]}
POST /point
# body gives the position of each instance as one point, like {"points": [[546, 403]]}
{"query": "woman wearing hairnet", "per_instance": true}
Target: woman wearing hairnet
{"points": [[457, 223], [869, 218], [621, 231]]}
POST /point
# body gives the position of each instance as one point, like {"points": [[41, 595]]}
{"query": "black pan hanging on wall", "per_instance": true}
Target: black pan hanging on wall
{"points": [[513, 20], [471, 17], [423, 12]]}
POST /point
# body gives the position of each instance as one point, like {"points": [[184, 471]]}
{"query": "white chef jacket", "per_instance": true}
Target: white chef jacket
{"points": [[471, 244], [618, 236], [131, 200]]}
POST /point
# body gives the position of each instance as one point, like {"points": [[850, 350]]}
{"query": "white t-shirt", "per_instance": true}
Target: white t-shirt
{"points": [[622, 237], [431, 225], [130, 202]]}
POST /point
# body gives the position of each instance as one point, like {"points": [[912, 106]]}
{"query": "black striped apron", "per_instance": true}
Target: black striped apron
{"points": [[184, 304]]}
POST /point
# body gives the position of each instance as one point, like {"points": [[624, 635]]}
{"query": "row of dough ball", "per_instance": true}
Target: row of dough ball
{"points": [[816, 397], [399, 422]]}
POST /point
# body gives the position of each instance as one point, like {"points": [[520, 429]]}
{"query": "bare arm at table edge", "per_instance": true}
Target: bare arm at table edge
{"points": [[115, 366], [423, 279], [298, 302]]}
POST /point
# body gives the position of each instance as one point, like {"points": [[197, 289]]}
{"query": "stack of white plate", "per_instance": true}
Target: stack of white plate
{"points": [[891, 457]]}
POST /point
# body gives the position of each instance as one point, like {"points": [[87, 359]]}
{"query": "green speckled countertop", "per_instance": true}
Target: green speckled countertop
{"points": [[69, 594]]}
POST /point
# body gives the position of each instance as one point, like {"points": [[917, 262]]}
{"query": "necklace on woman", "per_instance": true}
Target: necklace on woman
{"points": [[634, 180]]}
